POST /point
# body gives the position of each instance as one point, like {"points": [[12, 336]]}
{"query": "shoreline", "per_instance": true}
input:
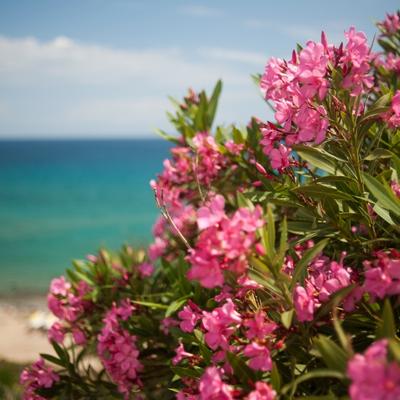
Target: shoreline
{"points": [[19, 342]]}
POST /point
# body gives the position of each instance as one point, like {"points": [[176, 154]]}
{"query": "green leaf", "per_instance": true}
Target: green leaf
{"points": [[386, 327], [150, 304], [276, 379], [300, 271], [394, 348], [382, 194], [286, 318], [269, 236], [321, 191], [319, 159], [334, 356], [378, 153], [166, 136], [213, 103], [187, 372], [317, 373], [176, 305], [52, 359]]}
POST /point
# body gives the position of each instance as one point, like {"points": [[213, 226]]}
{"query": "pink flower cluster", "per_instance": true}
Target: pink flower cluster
{"points": [[325, 277], [220, 324], [382, 275], [201, 164], [37, 376], [117, 349], [372, 376], [298, 86], [68, 303], [224, 242], [390, 25], [392, 117], [212, 387]]}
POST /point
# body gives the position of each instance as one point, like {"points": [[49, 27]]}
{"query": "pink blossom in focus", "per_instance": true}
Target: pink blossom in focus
{"points": [[224, 242]]}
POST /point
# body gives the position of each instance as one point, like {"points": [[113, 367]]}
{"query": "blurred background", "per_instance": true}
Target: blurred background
{"points": [[83, 85]]}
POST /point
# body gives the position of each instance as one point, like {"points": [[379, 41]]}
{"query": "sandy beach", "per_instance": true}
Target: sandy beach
{"points": [[20, 343]]}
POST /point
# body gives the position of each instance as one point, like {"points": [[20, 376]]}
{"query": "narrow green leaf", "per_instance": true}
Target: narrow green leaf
{"points": [[300, 271], [317, 373], [213, 103], [150, 304], [276, 379], [176, 305], [334, 356], [319, 159], [386, 327], [381, 193]]}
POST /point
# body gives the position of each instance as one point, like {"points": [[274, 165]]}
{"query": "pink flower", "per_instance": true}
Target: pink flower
{"points": [[212, 387], [393, 116], [117, 349], [38, 376], [224, 243], [180, 354], [211, 215], [79, 336], [372, 376], [56, 332], [145, 269], [260, 359], [259, 326], [396, 188], [59, 286], [166, 324], [382, 275], [390, 25], [304, 304], [279, 157], [189, 319], [157, 248], [312, 69], [220, 325], [262, 392]]}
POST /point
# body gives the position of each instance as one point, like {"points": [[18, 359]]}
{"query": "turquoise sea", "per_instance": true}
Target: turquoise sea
{"points": [[63, 199]]}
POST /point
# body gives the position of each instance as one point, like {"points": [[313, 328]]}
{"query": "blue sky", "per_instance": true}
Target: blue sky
{"points": [[104, 68]]}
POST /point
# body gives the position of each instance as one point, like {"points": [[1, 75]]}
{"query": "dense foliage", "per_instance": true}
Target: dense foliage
{"points": [[275, 267]]}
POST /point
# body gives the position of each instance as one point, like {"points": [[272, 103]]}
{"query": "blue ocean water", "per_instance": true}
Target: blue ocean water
{"points": [[63, 199]]}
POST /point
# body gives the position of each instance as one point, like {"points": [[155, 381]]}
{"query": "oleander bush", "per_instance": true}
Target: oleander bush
{"points": [[275, 267]]}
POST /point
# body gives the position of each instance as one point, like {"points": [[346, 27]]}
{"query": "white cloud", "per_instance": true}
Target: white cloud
{"points": [[66, 87]]}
